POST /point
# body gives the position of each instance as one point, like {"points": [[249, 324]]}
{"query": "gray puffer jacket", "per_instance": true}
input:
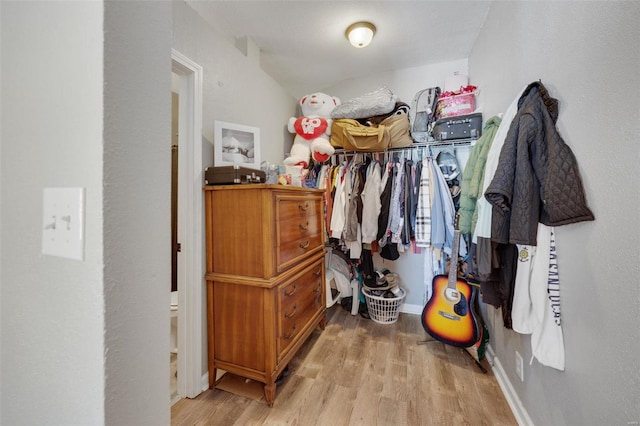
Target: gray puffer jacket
{"points": [[537, 179]]}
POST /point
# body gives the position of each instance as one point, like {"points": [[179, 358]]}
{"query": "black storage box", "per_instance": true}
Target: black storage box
{"points": [[460, 127], [227, 175]]}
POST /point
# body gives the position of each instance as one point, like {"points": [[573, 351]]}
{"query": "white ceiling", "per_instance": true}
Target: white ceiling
{"points": [[304, 48]]}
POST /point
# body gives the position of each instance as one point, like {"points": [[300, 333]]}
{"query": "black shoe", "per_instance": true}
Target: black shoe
{"points": [[364, 311], [346, 303]]}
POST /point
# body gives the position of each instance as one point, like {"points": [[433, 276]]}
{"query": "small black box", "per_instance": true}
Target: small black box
{"points": [[460, 127], [228, 175]]}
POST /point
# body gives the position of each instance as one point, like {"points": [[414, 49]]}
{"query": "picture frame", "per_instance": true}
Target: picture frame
{"points": [[236, 144]]}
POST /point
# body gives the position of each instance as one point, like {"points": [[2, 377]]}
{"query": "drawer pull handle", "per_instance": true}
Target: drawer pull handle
{"points": [[305, 207], [316, 290], [318, 271], [304, 245], [293, 331], [304, 227], [295, 308], [292, 292]]}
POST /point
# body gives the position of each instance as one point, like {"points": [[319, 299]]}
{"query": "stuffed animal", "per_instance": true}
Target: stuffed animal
{"points": [[312, 130]]}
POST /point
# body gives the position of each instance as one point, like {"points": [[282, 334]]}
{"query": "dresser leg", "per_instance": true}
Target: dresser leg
{"points": [[270, 393], [212, 377], [323, 320]]}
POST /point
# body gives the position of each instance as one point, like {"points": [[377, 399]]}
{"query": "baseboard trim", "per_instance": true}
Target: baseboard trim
{"points": [[204, 381], [411, 309], [518, 410]]}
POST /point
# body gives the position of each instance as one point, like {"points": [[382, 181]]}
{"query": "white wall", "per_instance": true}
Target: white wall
{"points": [[137, 220], [405, 83], [86, 103], [236, 90], [52, 309], [586, 54]]}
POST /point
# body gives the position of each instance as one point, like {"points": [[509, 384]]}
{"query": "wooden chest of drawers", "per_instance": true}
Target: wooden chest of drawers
{"points": [[265, 277]]}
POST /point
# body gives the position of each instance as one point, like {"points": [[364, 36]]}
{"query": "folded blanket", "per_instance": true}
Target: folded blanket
{"points": [[378, 102]]}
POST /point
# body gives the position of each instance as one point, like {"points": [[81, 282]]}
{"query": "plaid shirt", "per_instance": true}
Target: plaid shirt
{"points": [[423, 211]]}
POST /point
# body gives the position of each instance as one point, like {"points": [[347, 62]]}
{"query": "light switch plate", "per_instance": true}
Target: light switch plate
{"points": [[63, 222]]}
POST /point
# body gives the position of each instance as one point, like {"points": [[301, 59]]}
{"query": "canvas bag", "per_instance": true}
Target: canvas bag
{"points": [[352, 136], [397, 126], [392, 132]]}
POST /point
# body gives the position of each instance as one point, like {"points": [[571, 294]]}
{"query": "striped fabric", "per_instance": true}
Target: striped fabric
{"points": [[423, 211]]}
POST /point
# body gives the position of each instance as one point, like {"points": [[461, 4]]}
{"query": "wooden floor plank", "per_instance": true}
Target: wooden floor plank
{"points": [[359, 372]]}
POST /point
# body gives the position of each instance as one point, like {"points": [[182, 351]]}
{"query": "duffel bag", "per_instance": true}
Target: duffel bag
{"points": [[397, 126], [352, 136]]}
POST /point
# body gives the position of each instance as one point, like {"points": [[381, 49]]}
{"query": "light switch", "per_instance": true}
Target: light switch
{"points": [[63, 222]]}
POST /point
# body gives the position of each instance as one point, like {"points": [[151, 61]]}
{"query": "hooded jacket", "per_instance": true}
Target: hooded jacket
{"points": [[537, 179], [473, 176]]}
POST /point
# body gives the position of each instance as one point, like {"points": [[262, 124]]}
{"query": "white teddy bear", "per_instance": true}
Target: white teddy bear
{"points": [[312, 130]]}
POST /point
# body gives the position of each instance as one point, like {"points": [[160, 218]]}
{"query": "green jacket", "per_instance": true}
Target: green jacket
{"points": [[473, 177]]}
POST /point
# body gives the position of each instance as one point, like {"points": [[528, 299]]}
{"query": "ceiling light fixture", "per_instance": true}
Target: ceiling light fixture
{"points": [[360, 34]]}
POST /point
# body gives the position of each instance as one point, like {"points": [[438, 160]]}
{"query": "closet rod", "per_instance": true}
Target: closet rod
{"points": [[416, 145]]}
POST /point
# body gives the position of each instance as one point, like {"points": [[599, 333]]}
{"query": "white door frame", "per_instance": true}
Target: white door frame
{"points": [[190, 226]]}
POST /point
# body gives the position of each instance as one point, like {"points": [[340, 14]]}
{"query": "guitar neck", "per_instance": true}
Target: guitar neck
{"points": [[453, 264]]}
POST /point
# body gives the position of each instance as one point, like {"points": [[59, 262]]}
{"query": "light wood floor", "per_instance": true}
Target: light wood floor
{"points": [[358, 372]]}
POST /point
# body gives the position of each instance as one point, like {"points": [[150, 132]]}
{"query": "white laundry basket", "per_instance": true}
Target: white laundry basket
{"points": [[383, 310]]}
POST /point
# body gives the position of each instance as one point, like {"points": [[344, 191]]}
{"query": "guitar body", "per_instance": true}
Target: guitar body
{"points": [[450, 316]]}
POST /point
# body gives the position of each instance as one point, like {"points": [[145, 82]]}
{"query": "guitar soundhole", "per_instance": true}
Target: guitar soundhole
{"points": [[461, 308]]}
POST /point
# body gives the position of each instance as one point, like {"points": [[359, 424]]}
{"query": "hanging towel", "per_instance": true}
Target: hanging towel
{"points": [[536, 299]]}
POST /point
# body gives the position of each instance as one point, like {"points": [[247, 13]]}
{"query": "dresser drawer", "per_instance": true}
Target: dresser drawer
{"points": [[289, 252], [299, 229], [298, 303], [298, 207]]}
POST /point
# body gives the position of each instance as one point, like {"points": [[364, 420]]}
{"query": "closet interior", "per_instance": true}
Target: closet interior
{"points": [[360, 188]]}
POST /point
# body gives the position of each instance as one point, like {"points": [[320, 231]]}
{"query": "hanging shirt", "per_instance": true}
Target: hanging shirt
{"points": [[371, 203], [415, 187], [438, 223], [423, 210], [353, 188], [329, 194], [483, 226], [353, 233], [397, 204], [385, 201], [409, 202], [339, 202]]}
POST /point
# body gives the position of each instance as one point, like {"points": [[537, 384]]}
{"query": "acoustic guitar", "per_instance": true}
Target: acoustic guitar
{"points": [[449, 316]]}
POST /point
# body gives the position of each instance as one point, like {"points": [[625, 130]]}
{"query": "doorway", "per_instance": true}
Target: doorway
{"points": [[175, 245], [189, 215]]}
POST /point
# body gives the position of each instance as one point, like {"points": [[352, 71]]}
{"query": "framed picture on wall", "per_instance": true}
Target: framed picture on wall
{"points": [[235, 144]]}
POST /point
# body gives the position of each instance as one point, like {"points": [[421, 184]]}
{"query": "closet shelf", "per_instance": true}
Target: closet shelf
{"points": [[416, 145]]}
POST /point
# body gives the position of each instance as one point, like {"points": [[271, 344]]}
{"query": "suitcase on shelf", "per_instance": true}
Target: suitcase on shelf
{"points": [[460, 127], [228, 175]]}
